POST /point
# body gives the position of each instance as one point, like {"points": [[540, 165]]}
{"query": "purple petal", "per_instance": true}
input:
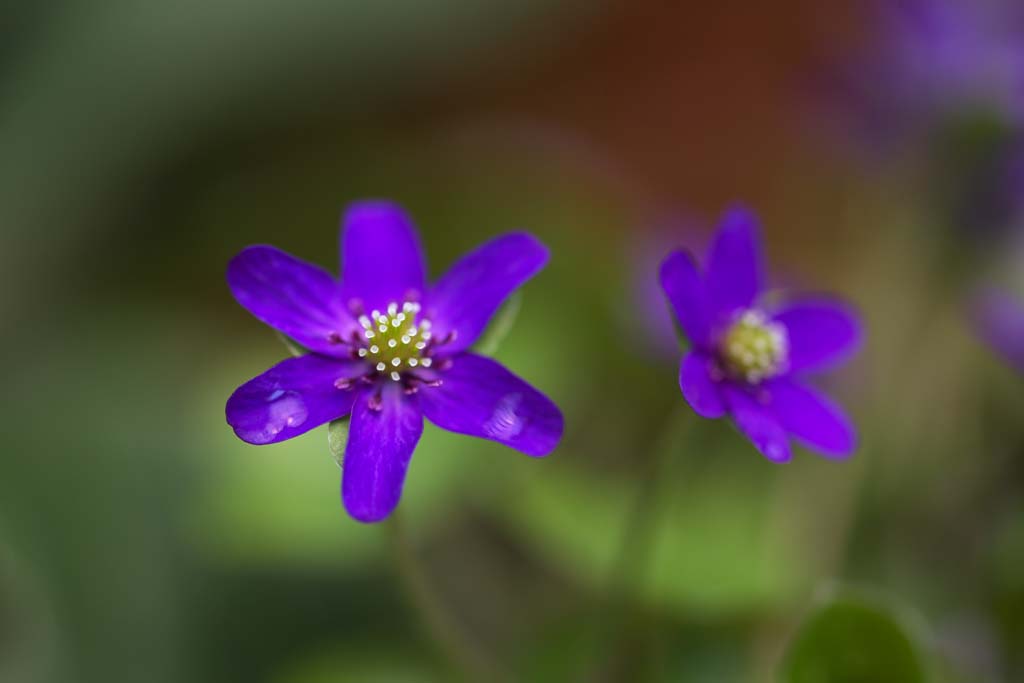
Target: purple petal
{"points": [[812, 418], [466, 297], [301, 300], [822, 333], [382, 258], [481, 398], [702, 392], [291, 398], [686, 293], [380, 444], [734, 270], [999, 320], [757, 423]]}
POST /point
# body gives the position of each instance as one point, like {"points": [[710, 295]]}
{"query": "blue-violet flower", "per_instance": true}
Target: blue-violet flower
{"points": [[389, 349], [750, 361]]}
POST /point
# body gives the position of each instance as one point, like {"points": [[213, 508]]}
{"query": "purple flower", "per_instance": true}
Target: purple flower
{"points": [[389, 349], [999, 320], [750, 362]]}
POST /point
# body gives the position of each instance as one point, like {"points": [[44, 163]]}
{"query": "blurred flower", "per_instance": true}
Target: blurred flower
{"points": [[750, 362], [387, 349], [999, 320], [930, 60]]}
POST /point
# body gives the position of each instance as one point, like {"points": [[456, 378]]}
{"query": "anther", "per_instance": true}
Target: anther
{"points": [[381, 367], [342, 383], [374, 402], [362, 353], [395, 376], [392, 343]]}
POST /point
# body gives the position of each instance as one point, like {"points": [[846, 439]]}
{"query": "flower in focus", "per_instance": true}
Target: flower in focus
{"points": [[999, 320], [388, 349], [749, 361]]}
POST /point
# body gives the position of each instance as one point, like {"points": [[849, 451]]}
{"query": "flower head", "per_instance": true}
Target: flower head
{"points": [[387, 349], [750, 361]]}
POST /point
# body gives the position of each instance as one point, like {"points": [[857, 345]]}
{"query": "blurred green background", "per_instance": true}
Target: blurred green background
{"points": [[142, 144]]}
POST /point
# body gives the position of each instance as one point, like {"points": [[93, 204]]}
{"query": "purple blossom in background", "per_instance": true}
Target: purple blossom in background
{"points": [[389, 349], [927, 60], [750, 362], [999, 320]]}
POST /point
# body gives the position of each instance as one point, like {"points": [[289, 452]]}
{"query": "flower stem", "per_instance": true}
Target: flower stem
{"points": [[448, 635], [631, 560]]}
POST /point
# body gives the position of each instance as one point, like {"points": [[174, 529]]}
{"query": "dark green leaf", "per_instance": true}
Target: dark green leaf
{"points": [[337, 438], [500, 325], [854, 638]]}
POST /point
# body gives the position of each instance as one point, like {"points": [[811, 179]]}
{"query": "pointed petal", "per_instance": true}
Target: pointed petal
{"points": [[812, 418], [381, 253], [479, 397], [685, 291], [734, 270], [466, 297], [297, 298], [702, 392], [822, 333], [291, 398], [758, 424], [380, 445]]}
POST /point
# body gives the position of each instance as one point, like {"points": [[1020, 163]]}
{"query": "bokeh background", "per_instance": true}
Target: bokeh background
{"points": [[142, 144]]}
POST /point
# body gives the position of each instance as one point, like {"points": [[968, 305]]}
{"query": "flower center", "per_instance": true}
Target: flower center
{"points": [[755, 348], [394, 340]]}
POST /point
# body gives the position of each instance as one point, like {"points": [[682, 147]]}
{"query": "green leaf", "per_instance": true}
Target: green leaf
{"points": [[500, 325], [851, 638], [293, 346], [337, 439]]}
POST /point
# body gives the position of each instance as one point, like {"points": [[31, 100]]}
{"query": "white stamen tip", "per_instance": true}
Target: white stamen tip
{"points": [[413, 362], [374, 349], [396, 361], [369, 334], [362, 353], [392, 308], [406, 339], [392, 343], [364, 321], [426, 362], [395, 376], [381, 367], [421, 345]]}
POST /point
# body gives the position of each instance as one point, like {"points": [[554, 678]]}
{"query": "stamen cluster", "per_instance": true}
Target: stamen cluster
{"points": [[394, 341], [755, 348]]}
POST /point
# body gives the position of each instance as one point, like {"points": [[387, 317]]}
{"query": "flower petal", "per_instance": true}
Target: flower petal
{"points": [[822, 333], [685, 291], [382, 258], [758, 424], [734, 270], [702, 392], [301, 300], [466, 297], [291, 398], [380, 445], [999, 320], [812, 418], [481, 398]]}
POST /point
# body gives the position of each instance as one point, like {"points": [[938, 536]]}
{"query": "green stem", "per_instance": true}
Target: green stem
{"points": [[443, 628], [636, 545]]}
